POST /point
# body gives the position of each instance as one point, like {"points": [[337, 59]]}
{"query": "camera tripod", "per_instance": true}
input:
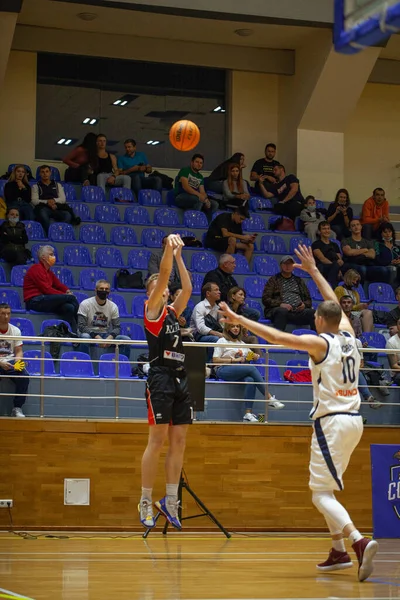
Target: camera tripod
{"points": [[184, 485]]}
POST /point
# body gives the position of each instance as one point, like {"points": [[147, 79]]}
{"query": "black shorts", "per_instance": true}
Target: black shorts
{"points": [[168, 398], [218, 244]]}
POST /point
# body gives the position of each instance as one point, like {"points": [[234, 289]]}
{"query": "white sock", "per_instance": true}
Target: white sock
{"points": [[146, 494], [339, 545], [172, 490], [355, 536]]}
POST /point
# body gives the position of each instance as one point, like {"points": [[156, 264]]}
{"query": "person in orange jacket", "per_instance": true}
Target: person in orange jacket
{"points": [[375, 211]]}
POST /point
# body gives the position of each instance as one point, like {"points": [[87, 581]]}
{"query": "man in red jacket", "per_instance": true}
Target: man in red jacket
{"points": [[375, 211], [44, 292]]}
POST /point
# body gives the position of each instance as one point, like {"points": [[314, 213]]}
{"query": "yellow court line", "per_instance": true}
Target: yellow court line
{"points": [[243, 536]]}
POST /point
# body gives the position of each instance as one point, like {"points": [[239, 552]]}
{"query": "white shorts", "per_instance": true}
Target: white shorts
{"points": [[332, 444]]}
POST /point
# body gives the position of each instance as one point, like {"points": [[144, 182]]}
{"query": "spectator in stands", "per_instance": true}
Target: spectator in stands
{"points": [[351, 281], [262, 171], [363, 384], [13, 238], [44, 292], [237, 302], [82, 162], [311, 218], [387, 251], [340, 214], [327, 255], [216, 179], [229, 353], [347, 304], [375, 211], [184, 319], [205, 318], [189, 188], [235, 190], [98, 319], [106, 171], [136, 166], [223, 277], [359, 254], [18, 193], [287, 190], [12, 365], [286, 298], [225, 234], [155, 261], [394, 359], [48, 197], [394, 315]]}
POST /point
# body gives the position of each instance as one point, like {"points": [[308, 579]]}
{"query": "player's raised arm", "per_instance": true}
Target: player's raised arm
{"points": [[156, 302], [181, 302]]}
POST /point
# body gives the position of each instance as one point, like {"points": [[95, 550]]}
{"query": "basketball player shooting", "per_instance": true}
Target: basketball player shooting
{"points": [[167, 395], [334, 364]]}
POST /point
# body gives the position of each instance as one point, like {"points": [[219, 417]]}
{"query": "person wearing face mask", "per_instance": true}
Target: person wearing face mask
{"points": [[44, 292], [311, 218], [98, 319], [387, 251], [13, 238], [233, 357], [340, 214]]}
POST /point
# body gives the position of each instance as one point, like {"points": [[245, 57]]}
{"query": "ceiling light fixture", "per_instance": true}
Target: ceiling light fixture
{"points": [[244, 32], [61, 141], [117, 102], [86, 120], [149, 142], [87, 16], [65, 141], [217, 109], [155, 143]]}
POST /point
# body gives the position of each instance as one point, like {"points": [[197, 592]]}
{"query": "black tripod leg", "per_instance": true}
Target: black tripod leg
{"points": [[206, 511]]}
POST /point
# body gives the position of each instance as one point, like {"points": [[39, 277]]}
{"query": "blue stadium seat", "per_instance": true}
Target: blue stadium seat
{"points": [[319, 203], [2, 186], [217, 213], [314, 291], [123, 236], [35, 249], [296, 240], [107, 213], [197, 282], [18, 274], [152, 237], [150, 198], [137, 215], [83, 211], [3, 279], [81, 296], [109, 257], [61, 232], [93, 234], [195, 219], [33, 360], [273, 244], [65, 276], [50, 322], [257, 203], [139, 259], [242, 266], [70, 193], [76, 364], [77, 256], [26, 327], [55, 174], [171, 198], [274, 375], [304, 332], [339, 245], [254, 286], [88, 278], [253, 224], [266, 265], [166, 217], [34, 230], [202, 262], [109, 368], [121, 195], [12, 298], [138, 306], [381, 292], [92, 193], [374, 339], [295, 365], [120, 302], [132, 330], [185, 233], [12, 165], [256, 305]]}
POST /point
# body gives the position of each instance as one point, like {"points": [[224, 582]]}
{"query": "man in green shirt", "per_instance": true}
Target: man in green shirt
{"points": [[189, 188]]}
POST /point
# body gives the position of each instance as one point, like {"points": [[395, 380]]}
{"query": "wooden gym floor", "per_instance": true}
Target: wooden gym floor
{"points": [[183, 566]]}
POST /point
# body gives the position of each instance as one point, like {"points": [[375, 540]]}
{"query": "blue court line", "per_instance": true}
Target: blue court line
{"points": [[377, 580]]}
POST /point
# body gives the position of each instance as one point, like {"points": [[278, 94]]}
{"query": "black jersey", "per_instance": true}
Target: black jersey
{"points": [[164, 339]]}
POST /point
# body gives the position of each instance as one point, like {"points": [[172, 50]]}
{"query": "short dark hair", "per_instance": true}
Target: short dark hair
{"points": [[10, 208], [4, 305], [309, 197], [330, 311], [378, 189], [387, 225], [281, 166], [346, 297], [197, 155], [243, 211], [101, 135], [322, 224], [354, 219], [270, 145], [207, 288], [44, 167], [174, 287], [130, 141]]}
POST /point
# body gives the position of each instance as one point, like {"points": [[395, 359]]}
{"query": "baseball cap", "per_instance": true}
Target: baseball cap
{"points": [[286, 258]]}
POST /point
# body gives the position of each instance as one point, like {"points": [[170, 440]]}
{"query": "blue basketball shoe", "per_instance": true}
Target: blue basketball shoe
{"points": [[145, 509], [169, 508]]}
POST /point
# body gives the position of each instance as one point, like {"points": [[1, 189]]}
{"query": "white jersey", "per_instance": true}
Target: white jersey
{"points": [[335, 378]]}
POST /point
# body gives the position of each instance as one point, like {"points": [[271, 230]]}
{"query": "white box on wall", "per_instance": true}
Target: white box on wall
{"points": [[77, 492]]}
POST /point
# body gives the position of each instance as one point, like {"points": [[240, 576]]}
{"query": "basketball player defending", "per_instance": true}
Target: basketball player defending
{"points": [[167, 395], [334, 364]]}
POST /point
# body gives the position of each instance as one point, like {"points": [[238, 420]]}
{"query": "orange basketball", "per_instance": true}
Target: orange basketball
{"points": [[184, 135]]}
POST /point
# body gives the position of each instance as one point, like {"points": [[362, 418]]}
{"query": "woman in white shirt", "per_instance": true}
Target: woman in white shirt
{"points": [[230, 352]]}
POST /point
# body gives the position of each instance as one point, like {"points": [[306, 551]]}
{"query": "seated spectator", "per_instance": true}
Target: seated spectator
{"points": [[286, 298], [225, 234], [387, 251], [351, 281], [98, 319], [18, 193], [311, 218], [347, 304], [235, 190], [394, 359], [363, 384], [48, 197], [155, 262], [184, 319], [340, 214], [230, 353], [262, 171], [106, 170], [359, 254], [13, 238], [327, 255], [375, 211], [394, 315], [205, 318], [82, 162], [287, 191], [216, 179], [237, 302], [12, 364], [189, 189], [44, 292], [136, 166]]}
